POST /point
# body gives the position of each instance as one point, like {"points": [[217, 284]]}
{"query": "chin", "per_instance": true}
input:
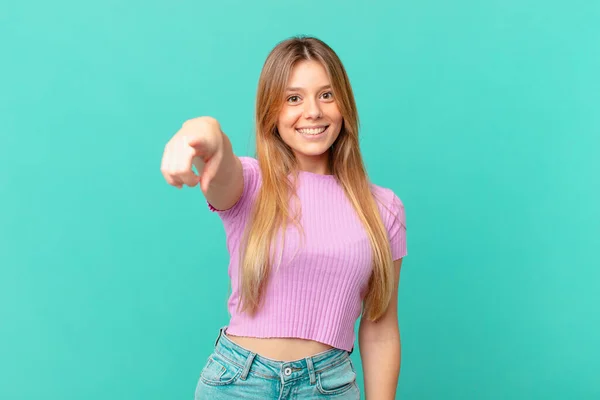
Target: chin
{"points": [[311, 152]]}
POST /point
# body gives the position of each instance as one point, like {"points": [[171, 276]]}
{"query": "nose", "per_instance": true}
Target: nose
{"points": [[312, 109]]}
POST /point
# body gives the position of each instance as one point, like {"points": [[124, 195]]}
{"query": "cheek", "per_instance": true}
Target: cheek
{"points": [[334, 113], [288, 118]]}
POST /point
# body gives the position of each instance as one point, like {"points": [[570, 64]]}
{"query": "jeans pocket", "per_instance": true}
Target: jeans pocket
{"points": [[218, 371], [337, 380]]}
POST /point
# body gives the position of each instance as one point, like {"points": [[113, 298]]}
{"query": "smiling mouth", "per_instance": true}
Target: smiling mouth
{"points": [[312, 131]]}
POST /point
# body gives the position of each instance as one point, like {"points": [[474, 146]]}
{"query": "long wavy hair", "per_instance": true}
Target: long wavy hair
{"points": [[272, 210]]}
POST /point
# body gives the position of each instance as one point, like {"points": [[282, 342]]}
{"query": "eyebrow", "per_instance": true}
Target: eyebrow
{"points": [[299, 89]]}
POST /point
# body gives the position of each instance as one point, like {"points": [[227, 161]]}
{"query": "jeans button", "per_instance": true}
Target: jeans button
{"points": [[287, 371]]}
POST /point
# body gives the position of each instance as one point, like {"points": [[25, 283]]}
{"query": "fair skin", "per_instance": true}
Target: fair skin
{"points": [[381, 349], [309, 104], [310, 107]]}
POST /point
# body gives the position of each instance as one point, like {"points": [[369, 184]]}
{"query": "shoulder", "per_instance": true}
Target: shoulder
{"points": [[249, 162], [390, 206], [251, 170], [387, 198], [394, 218]]}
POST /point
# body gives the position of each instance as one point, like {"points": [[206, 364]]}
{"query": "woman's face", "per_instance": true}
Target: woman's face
{"points": [[310, 120]]}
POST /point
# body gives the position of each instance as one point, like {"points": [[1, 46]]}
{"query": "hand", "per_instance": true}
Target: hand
{"points": [[199, 142]]}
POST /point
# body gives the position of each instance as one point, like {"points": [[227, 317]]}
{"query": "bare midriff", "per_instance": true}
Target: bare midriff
{"points": [[280, 349]]}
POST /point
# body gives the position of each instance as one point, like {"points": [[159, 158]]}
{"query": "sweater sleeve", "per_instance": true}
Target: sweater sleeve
{"points": [[397, 228], [251, 174]]}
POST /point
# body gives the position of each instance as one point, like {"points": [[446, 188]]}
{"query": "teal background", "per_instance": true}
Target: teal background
{"points": [[482, 116]]}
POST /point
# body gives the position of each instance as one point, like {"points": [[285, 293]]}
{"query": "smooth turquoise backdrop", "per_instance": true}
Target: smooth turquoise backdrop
{"points": [[483, 116]]}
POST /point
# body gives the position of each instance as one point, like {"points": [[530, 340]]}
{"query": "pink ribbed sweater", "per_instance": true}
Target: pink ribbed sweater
{"points": [[318, 293]]}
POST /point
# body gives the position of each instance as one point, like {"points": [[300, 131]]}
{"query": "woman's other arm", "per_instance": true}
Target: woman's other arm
{"points": [[380, 349]]}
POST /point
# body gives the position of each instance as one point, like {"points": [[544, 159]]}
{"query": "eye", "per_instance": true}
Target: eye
{"points": [[293, 99], [328, 95]]}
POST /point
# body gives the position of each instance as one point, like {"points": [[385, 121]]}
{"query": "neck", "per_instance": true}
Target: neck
{"points": [[315, 165]]}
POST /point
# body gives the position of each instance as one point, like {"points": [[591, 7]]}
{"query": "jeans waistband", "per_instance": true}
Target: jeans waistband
{"points": [[274, 369]]}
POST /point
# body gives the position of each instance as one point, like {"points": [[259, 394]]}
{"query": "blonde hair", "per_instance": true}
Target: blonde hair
{"points": [[271, 212]]}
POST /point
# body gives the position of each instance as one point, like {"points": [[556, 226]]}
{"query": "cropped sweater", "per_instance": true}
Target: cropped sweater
{"points": [[316, 292]]}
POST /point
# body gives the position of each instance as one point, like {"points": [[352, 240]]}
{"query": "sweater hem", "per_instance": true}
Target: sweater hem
{"points": [[289, 335]]}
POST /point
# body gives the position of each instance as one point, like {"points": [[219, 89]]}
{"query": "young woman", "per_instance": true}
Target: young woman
{"points": [[313, 243]]}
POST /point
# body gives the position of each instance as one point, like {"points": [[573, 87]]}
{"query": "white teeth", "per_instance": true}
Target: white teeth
{"points": [[312, 131]]}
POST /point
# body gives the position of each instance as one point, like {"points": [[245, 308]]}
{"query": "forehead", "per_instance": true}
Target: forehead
{"points": [[308, 74]]}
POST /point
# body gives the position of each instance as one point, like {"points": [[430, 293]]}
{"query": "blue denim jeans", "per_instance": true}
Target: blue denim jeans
{"points": [[233, 372]]}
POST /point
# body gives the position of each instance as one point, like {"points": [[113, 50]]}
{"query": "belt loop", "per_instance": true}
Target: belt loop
{"points": [[311, 370], [247, 366], [219, 337]]}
